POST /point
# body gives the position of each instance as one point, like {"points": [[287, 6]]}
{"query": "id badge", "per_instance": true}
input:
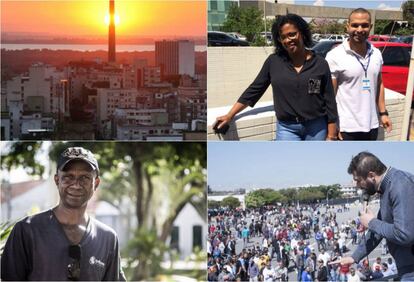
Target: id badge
{"points": [[366, 86]]}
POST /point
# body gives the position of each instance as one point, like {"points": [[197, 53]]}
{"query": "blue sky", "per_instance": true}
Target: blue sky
{"points": [[367, 4], [234, 165]]}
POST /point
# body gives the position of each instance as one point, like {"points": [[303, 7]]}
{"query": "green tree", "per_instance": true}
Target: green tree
{"points": [[230, 202], [263, 197], [254, 199], [381, 26], [290, 194], [408, 12], [214, 204], [247, 21], [327, 26], [160, 178]]}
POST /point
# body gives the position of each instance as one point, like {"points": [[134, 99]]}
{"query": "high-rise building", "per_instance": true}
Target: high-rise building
{"points": [[217, 12], [111, 35], [175, 57]]}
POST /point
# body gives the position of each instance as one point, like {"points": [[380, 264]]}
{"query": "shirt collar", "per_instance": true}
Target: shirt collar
{"points": [[385, 179], [347, 48]]}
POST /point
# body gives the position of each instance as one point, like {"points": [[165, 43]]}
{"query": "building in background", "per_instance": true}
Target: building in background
{"points": [[175, 57], [217, 12]]}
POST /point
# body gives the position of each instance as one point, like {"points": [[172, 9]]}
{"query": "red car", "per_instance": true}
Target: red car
{"points": [[374, 38], [396, 58]]}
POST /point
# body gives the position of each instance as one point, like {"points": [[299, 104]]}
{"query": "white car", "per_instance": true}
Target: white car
{"points": [[268, 36], [237, 35], [334, 37]]}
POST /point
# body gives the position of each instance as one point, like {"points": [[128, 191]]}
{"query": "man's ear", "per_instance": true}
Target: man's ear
{"points": [[97, 181], [371, 174], [56, 178]]}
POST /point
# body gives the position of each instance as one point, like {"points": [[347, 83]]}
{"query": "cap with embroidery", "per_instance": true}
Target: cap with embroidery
{"points": [[77, 153]]}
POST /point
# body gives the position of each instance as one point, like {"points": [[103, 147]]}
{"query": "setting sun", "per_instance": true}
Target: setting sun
{"points": [[117, 20], [86, 18]]}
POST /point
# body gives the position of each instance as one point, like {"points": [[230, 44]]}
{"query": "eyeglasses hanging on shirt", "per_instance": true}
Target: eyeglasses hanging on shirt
{"points": [[75, 253]]}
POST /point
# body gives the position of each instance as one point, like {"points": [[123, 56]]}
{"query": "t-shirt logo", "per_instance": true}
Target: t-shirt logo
{"points": [[97, 262], [314, 86]]}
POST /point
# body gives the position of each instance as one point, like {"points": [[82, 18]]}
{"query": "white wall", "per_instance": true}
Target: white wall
{"points": [[188, 218], [40, 198]]}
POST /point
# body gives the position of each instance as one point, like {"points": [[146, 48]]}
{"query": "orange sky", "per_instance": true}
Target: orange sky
{"points": [[76, 18]]}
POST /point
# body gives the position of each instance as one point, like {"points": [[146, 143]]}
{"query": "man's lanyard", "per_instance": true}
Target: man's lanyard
{"points": [[365, 68]]}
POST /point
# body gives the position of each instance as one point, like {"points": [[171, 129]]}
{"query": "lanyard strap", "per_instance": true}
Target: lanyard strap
{"points": [[365, 68]]}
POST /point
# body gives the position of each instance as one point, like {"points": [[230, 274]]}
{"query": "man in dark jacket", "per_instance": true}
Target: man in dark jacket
{"points": [[322, 271], [395, 219]]}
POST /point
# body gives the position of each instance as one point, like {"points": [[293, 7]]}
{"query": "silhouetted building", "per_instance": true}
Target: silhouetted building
{"points": [[111, 35]]}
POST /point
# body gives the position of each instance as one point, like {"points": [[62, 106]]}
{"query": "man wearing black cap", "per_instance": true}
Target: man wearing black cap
{"points": [[65, 243]]}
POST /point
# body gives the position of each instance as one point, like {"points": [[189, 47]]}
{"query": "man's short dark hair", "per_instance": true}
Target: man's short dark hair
{"points": [[359, 11], [297, 21], [365, 162]]}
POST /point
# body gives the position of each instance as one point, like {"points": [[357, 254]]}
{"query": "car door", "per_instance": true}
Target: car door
{"points": [[395, 68]]}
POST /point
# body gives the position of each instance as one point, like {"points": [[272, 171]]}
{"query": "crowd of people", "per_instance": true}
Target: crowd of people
{"points": [[272, 242]]}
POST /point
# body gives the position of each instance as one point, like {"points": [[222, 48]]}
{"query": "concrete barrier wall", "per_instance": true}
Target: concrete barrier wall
{"points": [[231, 69]]}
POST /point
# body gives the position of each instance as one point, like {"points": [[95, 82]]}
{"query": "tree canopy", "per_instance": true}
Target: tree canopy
{"points": [[247, 21], [261, 197], [231, 202]]}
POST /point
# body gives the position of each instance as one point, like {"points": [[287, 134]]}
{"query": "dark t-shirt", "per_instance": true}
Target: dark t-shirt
{"points": [[38, 249]]}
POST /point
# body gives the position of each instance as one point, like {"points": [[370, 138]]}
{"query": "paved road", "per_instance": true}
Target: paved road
{"points": [[341, 218]]}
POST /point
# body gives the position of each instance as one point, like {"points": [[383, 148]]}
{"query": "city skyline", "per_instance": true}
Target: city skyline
{"points": [[234, 165]]}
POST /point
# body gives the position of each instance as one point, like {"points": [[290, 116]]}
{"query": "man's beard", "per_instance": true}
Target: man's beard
{"points": [[370, 188]]}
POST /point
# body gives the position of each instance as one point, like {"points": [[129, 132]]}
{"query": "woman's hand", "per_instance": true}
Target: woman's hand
{"points": [[222, 120], [332, 132]]}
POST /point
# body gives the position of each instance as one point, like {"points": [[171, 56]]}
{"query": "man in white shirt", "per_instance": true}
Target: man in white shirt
{"points": [[324, 256], [392, 266], [356, 76], [385, 270], [268, 273], [352, 276]]}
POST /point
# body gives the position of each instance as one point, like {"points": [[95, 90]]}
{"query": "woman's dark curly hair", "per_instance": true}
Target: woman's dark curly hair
{"points": [[301, 25]]}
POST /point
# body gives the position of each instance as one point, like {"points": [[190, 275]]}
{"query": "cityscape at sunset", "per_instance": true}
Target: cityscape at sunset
{"points": [[103, 70]]}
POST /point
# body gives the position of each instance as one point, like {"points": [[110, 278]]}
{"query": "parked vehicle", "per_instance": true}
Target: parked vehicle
{"points": [[374, 38], [403, 39], [237, 35], [396, 58], [323, 47], [334, 37], [216, 38], [268, 37]]}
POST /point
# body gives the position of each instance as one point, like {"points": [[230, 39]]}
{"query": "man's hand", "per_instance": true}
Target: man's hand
{"points": [[366, 217], [343, 261], [386, 123]]}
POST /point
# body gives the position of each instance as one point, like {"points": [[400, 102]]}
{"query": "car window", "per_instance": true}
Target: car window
{"points": [[223, 37], [395, 56]]}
